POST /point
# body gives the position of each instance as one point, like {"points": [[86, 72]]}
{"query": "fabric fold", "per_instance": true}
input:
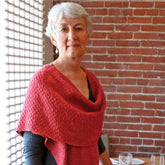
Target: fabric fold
{"points": [[56, 110]]}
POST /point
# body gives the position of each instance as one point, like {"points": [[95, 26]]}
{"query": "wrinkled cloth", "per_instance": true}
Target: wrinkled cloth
{"points": [[71, 124]]}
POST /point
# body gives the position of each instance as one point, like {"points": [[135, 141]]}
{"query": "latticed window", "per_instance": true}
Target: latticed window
{"points": [[23, 51]]}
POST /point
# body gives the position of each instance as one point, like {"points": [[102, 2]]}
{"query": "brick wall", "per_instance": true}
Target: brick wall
{"points": [[127, 54]]}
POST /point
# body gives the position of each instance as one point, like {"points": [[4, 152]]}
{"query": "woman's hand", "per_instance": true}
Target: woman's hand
{"points": [[104, 159]]}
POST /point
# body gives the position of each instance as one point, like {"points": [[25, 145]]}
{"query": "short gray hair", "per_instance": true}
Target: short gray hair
{"points": [[68, 10]]}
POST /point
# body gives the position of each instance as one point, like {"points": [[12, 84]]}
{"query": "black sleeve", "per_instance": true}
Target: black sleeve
{"points": [[101, 146], [33, 148]]}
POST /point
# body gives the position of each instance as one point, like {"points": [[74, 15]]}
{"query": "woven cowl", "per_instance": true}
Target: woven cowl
{"points": [[71, 124]]}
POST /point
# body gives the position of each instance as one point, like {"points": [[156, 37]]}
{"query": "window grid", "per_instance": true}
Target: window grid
{"points": [[25, 56]]}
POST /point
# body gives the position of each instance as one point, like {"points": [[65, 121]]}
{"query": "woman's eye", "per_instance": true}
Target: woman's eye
{"points": [[63, 29], [78, 28]]}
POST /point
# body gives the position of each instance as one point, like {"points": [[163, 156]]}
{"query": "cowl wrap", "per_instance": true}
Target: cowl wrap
{"points": [[71, 124]]}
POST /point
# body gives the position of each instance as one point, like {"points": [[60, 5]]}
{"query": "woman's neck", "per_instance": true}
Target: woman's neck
{"points": [[68, 65]]}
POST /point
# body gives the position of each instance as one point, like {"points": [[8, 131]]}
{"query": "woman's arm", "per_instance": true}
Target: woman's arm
{"points": [[103, 155], [104, 159], [33, 148]]}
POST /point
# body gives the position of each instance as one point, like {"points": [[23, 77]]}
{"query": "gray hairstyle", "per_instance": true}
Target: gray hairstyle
{"points": [[68, 10]]}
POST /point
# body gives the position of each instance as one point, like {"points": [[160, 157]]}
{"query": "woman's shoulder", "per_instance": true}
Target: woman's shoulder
{"points": [[43, 71], [42, 74]]}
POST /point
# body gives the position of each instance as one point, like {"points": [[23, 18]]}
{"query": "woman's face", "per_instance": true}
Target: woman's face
{"points": [[71, 37]]}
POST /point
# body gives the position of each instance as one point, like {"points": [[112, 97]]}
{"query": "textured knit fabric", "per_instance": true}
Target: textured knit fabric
{"points": [[70, 123]]}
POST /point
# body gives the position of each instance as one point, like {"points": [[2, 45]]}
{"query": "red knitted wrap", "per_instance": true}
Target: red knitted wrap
{"points": [[56, 110]]}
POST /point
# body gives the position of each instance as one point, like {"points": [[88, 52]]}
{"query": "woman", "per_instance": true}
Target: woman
{"points": [[63, 112]]}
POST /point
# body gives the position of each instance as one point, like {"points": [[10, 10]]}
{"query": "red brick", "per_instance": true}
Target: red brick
{"points": [[116, 111], [114, 125], [152, 120], [155, 82], [144, 51], [159, 128], [96, 4], [160, 98], [102, 28], [116, 4], [150, 135], [98, 35], [112, 104], [114, 12], [120, 35], [149, 149], [142, 112], [118, 81], [128, 89], [145, 20], [119, 51], [132, 104], [153, 90], [136, 141], [141, 66], [155, 105], [142, 82], [116, 66], [159, 4], [141, 4], [160, 113], [109, 88], [160, 143], [153, 28], [162, 12], [140, 127], [153, 43], [106, 80], [143, 97], [152, 12], [130, 74], [108, 119], [128, 28], [114, 19], [129, 59], [148, 142], [158, 20], [161, 52], [125, 141], [146, 35], [131, 81], [103, 43], [102, 11], [97, 19], [139, 11], [162, 36], [153, 75], [154, 59], [91, 11], [106, 58], [127, 43], [119, 97], [126, 133], [126, 12]]}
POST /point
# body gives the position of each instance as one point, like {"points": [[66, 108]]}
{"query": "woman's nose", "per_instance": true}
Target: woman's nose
{"points": [[72, 35]]}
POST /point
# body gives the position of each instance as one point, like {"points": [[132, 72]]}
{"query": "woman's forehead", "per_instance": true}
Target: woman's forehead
{"points": [[71, 22]]}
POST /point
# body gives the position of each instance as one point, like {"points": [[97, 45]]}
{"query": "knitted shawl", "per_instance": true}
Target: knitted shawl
{"points": [[71, 124]]}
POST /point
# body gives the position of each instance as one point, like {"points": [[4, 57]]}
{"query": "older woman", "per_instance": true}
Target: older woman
{"points": [[63, 112]]}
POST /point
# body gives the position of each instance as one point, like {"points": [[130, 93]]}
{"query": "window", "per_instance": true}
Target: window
{"points": [[22, 55]]}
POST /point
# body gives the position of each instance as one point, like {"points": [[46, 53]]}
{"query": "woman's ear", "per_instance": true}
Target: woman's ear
{"points": [[53, 40]]}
